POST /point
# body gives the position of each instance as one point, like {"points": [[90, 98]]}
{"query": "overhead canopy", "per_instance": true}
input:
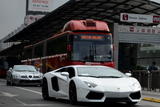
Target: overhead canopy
{"points": [[106, 10], [14, 50]]}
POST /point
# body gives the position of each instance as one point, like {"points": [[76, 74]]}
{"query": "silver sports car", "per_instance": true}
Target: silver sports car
{"points": [[82, 83], [24, 75]]}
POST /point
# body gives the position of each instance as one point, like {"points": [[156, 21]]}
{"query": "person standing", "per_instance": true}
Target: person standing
{"points": [[153, 67]]}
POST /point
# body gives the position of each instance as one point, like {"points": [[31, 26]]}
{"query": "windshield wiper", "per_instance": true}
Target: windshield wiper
{"points": [[88, 76], [109, 76]]}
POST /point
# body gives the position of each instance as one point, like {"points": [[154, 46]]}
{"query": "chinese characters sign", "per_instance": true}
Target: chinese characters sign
{"points": [[138, 29], [39, 5]]}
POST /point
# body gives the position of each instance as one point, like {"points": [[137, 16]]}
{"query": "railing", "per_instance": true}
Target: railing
{"points": [[148, 80]]}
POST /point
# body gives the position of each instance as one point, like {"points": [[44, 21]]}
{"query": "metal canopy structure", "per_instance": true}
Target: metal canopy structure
{"points": [[106, 10]]}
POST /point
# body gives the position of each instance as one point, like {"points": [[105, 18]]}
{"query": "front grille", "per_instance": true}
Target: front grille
{"points": [[136, 95], [30, 76], [36, 77], [23, 76], [125, 99], [94, 95], [30, 81]]}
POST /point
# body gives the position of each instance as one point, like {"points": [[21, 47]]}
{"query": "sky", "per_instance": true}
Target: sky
{"points": [[12, 13]]}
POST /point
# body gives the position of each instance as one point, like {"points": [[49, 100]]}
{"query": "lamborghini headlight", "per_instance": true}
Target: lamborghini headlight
{"points": [[90, 84], [136, 86]]}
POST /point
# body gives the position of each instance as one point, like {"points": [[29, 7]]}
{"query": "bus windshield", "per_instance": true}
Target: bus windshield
{"points": [[92, 48]]}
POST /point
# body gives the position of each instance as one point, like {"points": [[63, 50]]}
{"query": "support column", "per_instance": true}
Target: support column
{"points": [[115, 44]]}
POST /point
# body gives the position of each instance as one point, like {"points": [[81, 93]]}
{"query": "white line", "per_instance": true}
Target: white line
{"points": [[37, 92], [21, 102], [8, 94]]}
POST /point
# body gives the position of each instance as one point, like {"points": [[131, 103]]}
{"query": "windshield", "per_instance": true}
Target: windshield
{"points": [[99, 72], [94, 48], [22, 68]]}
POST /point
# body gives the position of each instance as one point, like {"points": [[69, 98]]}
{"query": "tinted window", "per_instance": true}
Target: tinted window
{"points": [[57, 46], [27, 53], [99, 72], [38, 50], [94, 48]]}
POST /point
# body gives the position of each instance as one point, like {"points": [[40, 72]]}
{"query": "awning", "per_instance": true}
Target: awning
{"points": [[106, 10]]}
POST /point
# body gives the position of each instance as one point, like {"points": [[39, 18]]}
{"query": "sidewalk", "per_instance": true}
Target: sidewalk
{"points": [[151, 96]]}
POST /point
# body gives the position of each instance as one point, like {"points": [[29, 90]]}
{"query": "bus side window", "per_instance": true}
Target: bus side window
{"points": [[38, 50], [57, 46], [27, 53]]}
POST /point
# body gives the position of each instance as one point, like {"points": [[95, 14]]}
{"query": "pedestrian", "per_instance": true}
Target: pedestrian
{"points": [[152, 67]]}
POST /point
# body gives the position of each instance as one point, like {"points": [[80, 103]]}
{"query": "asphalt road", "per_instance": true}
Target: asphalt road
{"points": [[30, 96]]}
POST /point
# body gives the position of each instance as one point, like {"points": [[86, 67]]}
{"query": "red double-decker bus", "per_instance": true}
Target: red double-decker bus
{"points": [[80, 42]]}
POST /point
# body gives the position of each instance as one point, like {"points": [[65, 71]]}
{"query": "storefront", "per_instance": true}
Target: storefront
{"points": [[137, 46]]}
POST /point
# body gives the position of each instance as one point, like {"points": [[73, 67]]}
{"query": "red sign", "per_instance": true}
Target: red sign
{"points": [[125, 16], [156, 19]]}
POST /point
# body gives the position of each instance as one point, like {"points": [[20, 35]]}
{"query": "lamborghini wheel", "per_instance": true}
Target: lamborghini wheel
{"points": [[45, 93], [72, 93]]}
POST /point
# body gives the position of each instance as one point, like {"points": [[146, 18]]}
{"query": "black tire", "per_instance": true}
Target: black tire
{"points": [[45, 93], [72, 93]]}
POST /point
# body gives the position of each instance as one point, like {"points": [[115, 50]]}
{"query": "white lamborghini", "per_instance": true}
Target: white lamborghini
{"points": [[82, 83]]}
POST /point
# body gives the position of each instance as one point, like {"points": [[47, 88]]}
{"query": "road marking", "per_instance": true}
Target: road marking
{"points": [[37, 92], [21, 102], [8, 94]]}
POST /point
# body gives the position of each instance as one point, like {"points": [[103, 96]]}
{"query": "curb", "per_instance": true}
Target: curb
{"points": [[151, 99]]}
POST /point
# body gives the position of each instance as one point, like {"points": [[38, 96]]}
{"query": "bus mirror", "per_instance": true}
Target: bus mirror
{"points": [[69, 48]]}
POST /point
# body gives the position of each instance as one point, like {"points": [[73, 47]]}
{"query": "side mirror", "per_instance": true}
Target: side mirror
{"points": [[128, 74], [65, 74]]}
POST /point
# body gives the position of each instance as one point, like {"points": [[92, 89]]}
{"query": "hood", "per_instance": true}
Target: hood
{"points": [[27, 73], [113, 84]]}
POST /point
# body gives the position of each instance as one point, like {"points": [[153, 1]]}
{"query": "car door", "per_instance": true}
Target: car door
{"points": [[59, 83], [63, 80]]}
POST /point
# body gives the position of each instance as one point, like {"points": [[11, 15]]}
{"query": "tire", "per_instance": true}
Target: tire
{"points": [[45, 93], [72, 93]]}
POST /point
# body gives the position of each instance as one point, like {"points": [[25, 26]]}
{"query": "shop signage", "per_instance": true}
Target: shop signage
{"points": [[139, 29], [39, 5], [139, 18]]}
